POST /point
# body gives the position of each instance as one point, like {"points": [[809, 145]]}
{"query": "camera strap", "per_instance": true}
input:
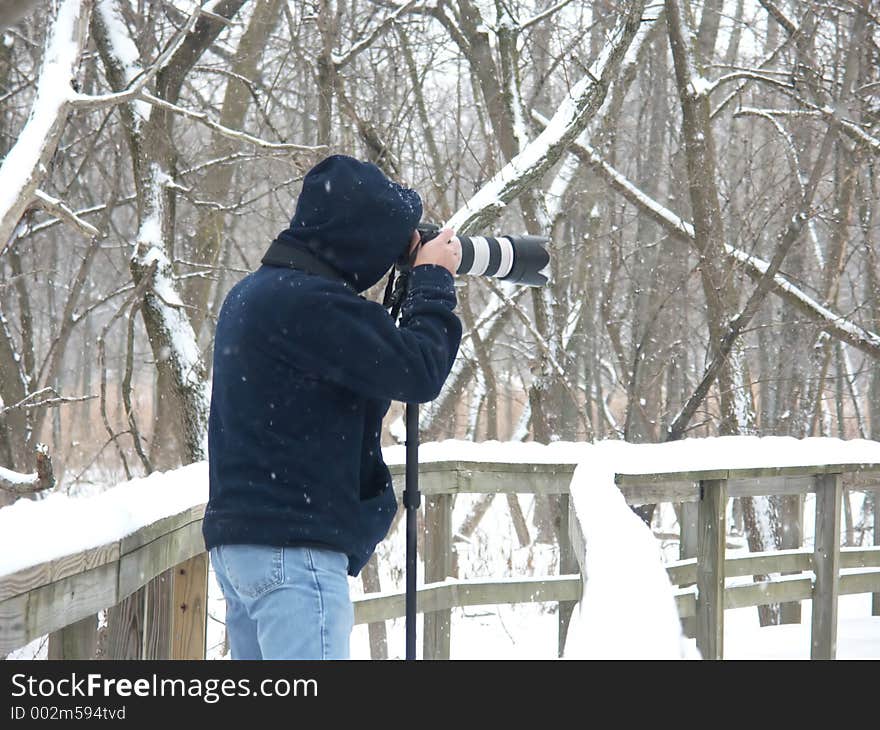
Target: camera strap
{"points": [[397, 286], [281, 254]]}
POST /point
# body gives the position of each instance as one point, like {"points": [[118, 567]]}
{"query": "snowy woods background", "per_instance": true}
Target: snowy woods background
{"points": [[706, 170]]}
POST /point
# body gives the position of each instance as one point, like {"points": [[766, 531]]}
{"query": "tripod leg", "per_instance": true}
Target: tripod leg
{"points": [[411, 500]]}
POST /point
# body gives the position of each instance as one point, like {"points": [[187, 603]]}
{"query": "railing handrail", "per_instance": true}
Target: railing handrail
{"points": [[470, 477], [448, 477]]}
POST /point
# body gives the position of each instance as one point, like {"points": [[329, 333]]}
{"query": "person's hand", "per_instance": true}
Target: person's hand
{"points": [[444, 250]]}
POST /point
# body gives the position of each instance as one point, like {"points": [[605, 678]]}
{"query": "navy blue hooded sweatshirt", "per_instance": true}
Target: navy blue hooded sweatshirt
{"points": [[304, 370]]}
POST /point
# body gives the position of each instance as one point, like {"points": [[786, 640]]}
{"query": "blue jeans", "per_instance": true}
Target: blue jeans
{"points": [[285, 602]]}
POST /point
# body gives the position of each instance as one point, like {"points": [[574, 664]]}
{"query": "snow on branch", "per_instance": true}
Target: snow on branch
{"points": [[492, 313], [54, 400], [834, 324], [669, 220], [126, 71], [572, 116], [41, 479], [203, 118], [780, 17], [544, 14], [852, 130], [168, 326], [763, 66], [829, 321], [125, 60], [750, 76], [33, 229], [681, 42], [858, 135], [27, 163], [61, 211]]}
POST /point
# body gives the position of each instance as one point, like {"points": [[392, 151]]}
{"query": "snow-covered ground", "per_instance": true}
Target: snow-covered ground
{"points": [[628, 596], [858, 633]]}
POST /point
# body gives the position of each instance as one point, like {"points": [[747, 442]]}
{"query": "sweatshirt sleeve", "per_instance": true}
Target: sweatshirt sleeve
{"points": [[354, 343]]}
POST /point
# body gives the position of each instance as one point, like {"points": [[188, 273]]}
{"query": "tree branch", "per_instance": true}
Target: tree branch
{"points": [[572, 116], [27, 164], [831, 322], [139, 82], [57, 208], [543, 15], [202, 118], [28, 401], [343, 59]]}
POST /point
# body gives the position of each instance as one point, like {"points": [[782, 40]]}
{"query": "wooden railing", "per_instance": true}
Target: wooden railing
{"points": [[62, 597], [704, 496]]}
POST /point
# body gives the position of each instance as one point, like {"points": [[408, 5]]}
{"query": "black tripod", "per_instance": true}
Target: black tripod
{"points": [[411, 500], [395, 292]]}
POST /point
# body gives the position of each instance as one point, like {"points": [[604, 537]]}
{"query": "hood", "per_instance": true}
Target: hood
{"points": [[353, 218]]}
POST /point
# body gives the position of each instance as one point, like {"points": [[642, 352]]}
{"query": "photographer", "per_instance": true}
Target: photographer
{"points": [[304, 370]]}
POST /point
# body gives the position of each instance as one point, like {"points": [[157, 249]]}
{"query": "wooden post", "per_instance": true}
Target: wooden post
{"points": [[688, 548], [578, 546], [568, 565], [792, 511], [875, 598], [158, 607], [826, 566], [438, 566], [77, 641], [377, 632], [710, 568], [189, 615], [125, 628]]}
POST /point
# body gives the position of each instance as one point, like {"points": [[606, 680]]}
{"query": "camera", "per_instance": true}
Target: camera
{"points": [[516, 259]]}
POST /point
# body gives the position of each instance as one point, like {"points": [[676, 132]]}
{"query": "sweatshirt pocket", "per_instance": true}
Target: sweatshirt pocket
{"points": [[377, 514], [375, 482]]}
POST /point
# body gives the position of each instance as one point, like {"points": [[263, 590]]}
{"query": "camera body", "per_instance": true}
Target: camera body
{"points": [[516, 259], [427, 231]]}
